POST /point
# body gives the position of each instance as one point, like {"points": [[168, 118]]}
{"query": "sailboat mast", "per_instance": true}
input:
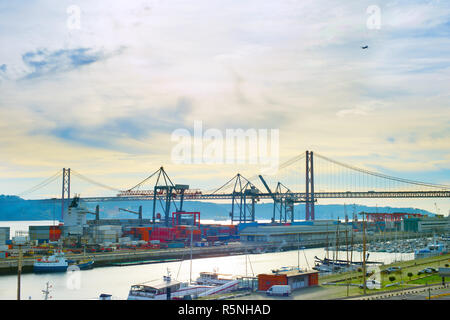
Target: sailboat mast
{"points": [[337, 240], [327, 253], [351, 253], [364, 255], [346, 242], [190, 271], [298, 252]]}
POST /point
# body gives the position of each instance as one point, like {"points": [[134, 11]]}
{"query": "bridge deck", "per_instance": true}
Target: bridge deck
{"points": [[297, 196]]}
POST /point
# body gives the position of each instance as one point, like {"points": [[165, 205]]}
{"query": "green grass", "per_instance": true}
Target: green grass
{"points": [[431, 279], [413, 266]]}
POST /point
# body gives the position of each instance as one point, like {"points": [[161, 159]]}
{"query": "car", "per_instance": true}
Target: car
{"points": [[427, 270], [423, 271], [392, 269]]}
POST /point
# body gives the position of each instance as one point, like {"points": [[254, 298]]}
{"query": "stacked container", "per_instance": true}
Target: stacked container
{"points": [[163, 234], [40, 234], [142, 233], [108, 233], [4, 235], [55, 233]]}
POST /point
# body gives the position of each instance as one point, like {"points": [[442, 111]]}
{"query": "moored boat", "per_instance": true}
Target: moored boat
{"points": [[431, 250], [208, 284], [54, 263], [165, 290], [83, 264]]}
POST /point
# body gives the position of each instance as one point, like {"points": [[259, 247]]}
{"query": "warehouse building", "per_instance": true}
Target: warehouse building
{"points": [[294, 278], [4, 235], [307, 232], [435, 224]]}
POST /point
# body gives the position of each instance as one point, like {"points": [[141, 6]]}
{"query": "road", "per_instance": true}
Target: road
{"points": [[436, 292]]}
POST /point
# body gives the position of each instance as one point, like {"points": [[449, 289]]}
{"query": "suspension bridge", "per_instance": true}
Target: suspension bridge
{"points": [[303, 179]]}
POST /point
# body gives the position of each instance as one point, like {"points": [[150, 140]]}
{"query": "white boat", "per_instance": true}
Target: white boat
{"points": [[165, 289], [54, 263], [175, 290], [213, 279]]}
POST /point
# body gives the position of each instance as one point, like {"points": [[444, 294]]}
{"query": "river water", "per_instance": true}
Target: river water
{"points": [[89, 284]]}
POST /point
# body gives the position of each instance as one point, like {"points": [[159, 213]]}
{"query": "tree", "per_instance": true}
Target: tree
{"points": [[410, 274], [391, 278]]}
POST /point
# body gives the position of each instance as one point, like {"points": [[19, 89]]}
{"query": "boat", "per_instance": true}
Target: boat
{"points": [[327, 265], [286, 269], [212, 278], [83, 264], [58, 263], [54, 263], [169, 289], [431, 250]]}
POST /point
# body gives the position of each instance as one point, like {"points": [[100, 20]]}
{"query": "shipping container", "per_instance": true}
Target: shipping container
{"points": [[124, 239]]}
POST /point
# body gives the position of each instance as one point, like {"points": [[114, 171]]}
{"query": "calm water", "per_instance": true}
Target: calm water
{"points": [[89, 284]]}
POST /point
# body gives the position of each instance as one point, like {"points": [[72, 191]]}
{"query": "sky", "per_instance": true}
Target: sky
{"points": [[101, 86]]}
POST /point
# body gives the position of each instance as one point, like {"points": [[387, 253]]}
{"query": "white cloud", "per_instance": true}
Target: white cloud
{"points": [[296, 66]]}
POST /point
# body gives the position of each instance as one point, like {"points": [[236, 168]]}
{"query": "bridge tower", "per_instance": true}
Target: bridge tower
{"points": [[65, 190], [309, 204]]}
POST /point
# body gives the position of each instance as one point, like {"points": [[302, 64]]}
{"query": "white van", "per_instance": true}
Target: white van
{"points": [[279, 290]]}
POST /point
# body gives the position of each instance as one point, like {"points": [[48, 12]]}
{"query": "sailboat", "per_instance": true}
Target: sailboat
{"points": [[327, 265]]}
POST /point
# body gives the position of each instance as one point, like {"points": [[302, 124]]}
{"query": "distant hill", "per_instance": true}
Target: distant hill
{"points": [[13, 208]]}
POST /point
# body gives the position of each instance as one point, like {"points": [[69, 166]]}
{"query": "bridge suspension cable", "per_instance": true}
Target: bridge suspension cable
{"points": [[282, 166], [41, 184], [380, 175], [79, 175]]}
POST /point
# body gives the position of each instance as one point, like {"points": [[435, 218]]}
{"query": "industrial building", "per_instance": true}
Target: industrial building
{"points": [[306, 232], [425, 224], [4, 235], [294, 278]]}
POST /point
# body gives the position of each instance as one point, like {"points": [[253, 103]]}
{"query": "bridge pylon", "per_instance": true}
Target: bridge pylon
{"points": [[309, 205], [65, 190]]}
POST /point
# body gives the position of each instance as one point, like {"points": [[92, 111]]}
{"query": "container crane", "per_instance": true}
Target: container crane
{"points": [[275, 200]]}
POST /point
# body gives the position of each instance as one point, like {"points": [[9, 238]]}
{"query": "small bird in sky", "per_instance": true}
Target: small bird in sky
{"points": [[364, 47]]}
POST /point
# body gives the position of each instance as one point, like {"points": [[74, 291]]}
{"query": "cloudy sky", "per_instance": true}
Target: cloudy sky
{"points": [[100, 86]]}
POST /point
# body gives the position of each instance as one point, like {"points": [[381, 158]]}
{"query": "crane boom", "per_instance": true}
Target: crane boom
{"points": [[96, 213], [139, 213], [267, 187]]}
